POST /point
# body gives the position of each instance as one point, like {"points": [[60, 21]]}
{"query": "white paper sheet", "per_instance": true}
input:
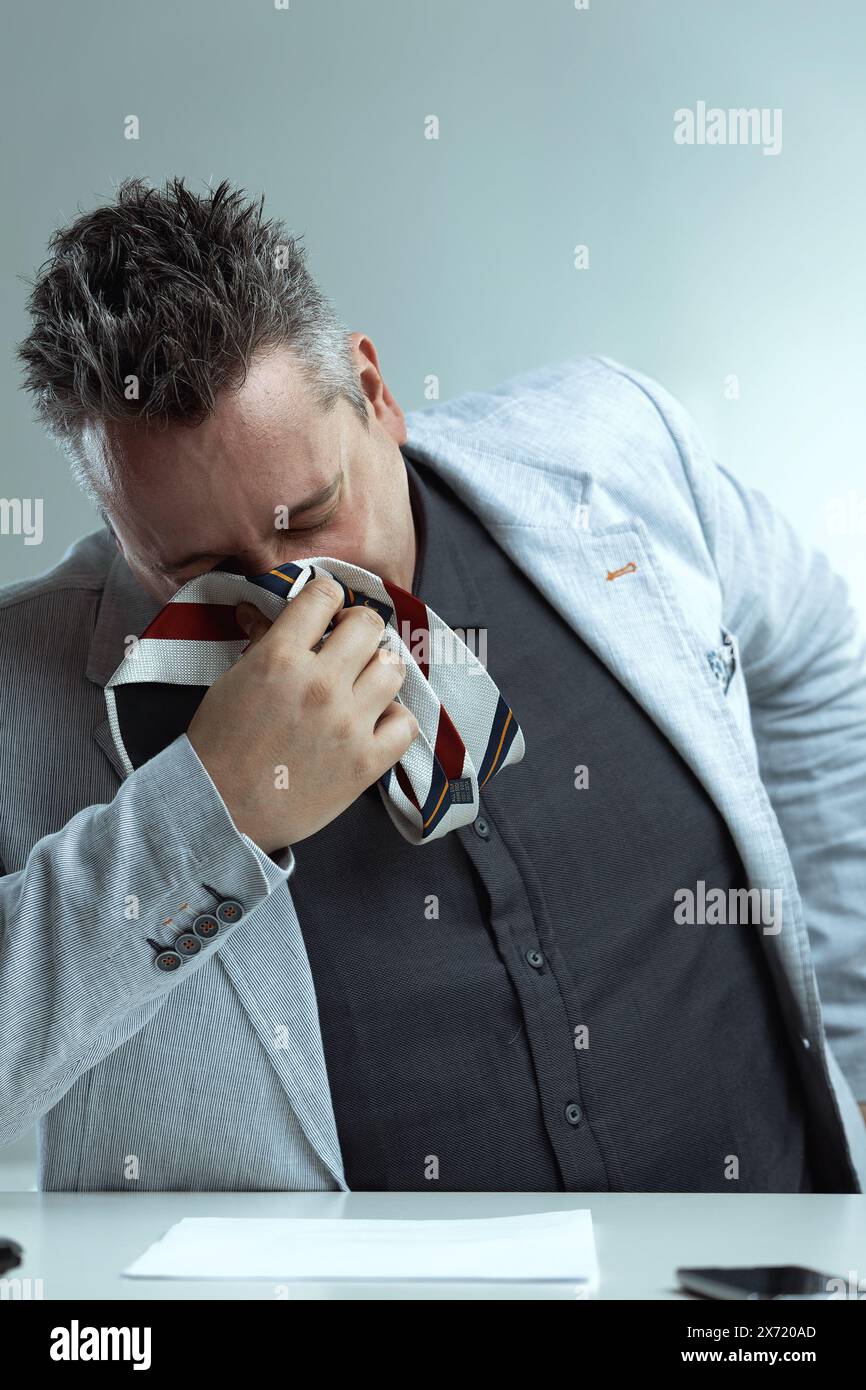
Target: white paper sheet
{"points": [[548, 1246]]}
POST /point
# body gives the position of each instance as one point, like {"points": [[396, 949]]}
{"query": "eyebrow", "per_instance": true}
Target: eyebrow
{"points": [[315, 499]]}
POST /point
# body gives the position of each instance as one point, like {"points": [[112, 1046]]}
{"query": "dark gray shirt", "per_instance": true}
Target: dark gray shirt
{"points": [[513, 1007]]}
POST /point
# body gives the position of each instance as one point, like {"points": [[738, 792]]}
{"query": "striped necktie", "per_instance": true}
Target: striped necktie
{"points": [[467, 732]]}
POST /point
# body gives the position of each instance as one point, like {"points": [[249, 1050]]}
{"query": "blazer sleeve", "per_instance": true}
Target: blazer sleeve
{"points": [[804, 661], [77, 975]]}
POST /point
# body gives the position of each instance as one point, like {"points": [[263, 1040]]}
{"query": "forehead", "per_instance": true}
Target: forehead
{"points": [[268, 434]]}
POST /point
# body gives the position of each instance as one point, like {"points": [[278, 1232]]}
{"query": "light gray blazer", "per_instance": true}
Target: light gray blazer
{"points": [[214, 1077]]}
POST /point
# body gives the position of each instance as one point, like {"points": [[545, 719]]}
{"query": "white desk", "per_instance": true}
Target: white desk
{"points": [[78, 1243]]}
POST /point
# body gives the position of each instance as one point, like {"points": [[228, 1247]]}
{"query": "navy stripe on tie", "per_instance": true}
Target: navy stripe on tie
{"points": [[499, 721]]}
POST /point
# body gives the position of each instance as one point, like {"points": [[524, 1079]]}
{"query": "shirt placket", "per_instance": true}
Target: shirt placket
{"points": [[543, 1006]]}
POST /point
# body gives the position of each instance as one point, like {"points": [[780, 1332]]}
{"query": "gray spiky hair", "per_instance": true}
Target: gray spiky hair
{"points": [[174, 292]]}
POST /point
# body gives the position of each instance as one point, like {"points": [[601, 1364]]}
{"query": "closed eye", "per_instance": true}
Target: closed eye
{"points": [[319, 525], [310, 530]]}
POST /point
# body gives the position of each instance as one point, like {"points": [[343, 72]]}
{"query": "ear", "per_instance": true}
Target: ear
{"points": [[384, 407]]}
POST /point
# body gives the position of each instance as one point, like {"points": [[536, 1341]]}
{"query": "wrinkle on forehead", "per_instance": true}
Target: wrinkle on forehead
{"points": [[272, 410]]}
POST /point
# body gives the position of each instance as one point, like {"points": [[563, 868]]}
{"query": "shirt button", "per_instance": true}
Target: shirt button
{"points": [[573, 1114], [535, 959], [188, 944], [206, 926], [481, 828], [168, 960], [229, 912]]}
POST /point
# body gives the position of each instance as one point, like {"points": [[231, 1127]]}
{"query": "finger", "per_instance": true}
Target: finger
{"points": [[395, 731], [254, 623], [353, 641], [304, 619], [380, 680], [337, 618]]}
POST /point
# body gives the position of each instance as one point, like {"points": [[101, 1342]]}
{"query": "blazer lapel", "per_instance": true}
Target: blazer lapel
{"points": [[124, 611], [610, 589]]}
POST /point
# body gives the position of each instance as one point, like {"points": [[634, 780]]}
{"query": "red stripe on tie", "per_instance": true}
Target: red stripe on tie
{"points": [[409, 609], [196, 622], [450, 749], [403, 779]]}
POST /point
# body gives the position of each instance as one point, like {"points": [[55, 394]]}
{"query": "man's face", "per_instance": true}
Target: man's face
{"points": [[182, 501]]}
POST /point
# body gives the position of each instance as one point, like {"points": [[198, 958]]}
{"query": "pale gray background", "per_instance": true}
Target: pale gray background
{"points": [[456, 255]]}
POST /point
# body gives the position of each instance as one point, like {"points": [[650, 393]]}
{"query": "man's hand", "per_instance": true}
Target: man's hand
{"points": [[327, 717]]}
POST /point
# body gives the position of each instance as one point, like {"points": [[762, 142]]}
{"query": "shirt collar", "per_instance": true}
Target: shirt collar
{"points": [[447, 534]]}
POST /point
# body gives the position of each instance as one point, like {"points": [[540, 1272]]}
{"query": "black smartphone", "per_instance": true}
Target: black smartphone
{"points": [[762, 1282], [10, 1254]]}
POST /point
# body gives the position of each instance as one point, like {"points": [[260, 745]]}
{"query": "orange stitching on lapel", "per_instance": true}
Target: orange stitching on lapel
{"points": [[626, 569]]}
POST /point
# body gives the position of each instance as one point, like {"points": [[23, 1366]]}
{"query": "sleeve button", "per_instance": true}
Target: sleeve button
{"points": [[229, 912], [188, 944], [168, 960], [206, 926]]}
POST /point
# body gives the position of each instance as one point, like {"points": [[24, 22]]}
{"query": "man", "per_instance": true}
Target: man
{"points": [[539, 1000]]}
